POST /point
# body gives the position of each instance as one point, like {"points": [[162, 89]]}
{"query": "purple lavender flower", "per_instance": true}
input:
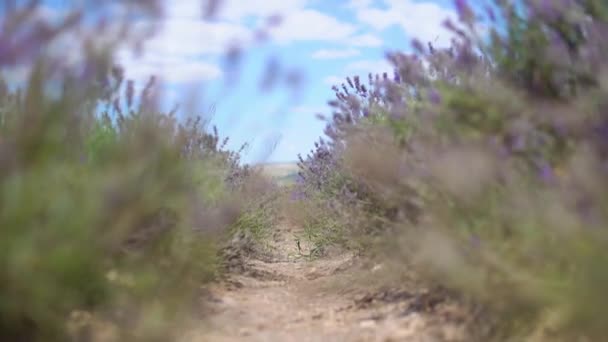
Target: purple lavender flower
{"points": [[297, 195], [449, 24], [147, 91], [518, 143], [397, 77], [503, 152], [547, 9], [345, 89], [587, 211], [561, 129], [398, 113], [232, 59], [274, 20], [130, 92], [271, 73], [434, 96], [475, 241], [211, 9], [261, 36], [491, 14], [465, 13], [546, 173], [116, 105], [417, 45], [7, 52], [118, 74], [601, 132]]}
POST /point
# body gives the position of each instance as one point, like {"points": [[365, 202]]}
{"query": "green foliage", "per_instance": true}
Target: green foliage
{"points": [[259, 214], [320, 231], [103, 216], [256, 222], [111, 209], [102, 138], [490, 176]]}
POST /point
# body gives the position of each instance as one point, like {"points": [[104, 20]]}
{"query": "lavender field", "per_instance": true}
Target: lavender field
{"points": [[152, 189]]}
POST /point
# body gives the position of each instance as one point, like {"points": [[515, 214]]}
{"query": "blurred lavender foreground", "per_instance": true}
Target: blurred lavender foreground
{"points": [[484, 166], [479, 170], [111, 211]]}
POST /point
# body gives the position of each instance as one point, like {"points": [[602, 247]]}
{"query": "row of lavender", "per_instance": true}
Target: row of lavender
{"points": [[111, 210], [484, 165]]}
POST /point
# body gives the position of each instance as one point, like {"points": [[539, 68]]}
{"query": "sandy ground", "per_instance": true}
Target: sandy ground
{"points": [[286, 297]]}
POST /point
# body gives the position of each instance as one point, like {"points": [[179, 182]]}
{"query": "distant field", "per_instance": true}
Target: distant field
{"points": [[284, 173]]}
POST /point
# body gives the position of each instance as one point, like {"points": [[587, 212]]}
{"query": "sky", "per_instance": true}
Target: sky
{"points": [[316, 43]]}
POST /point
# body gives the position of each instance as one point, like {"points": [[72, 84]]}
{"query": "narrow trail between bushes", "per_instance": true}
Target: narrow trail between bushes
{"points": [[285, 296]]}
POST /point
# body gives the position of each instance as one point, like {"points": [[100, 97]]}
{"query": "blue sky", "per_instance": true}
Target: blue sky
{"points": [[323, 40]]}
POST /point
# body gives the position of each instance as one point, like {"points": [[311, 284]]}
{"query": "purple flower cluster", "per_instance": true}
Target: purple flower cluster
{"points": [[520, 114]]}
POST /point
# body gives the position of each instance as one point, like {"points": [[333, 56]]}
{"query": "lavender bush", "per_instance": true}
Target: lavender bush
{"points": [[111, 219], [485, 163]]}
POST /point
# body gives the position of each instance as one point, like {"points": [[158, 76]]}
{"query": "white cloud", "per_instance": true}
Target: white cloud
{"points": [[236, 10], [367, 66], [170, 69], [190, 38], [335, 53], [175, 52], [357, 4], [419, 19], [233, 10], [333, 80], [365, 40], [184, 45], [311, 25]]}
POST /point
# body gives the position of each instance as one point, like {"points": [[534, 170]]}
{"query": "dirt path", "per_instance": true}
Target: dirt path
{"points": [[290, 298]]}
